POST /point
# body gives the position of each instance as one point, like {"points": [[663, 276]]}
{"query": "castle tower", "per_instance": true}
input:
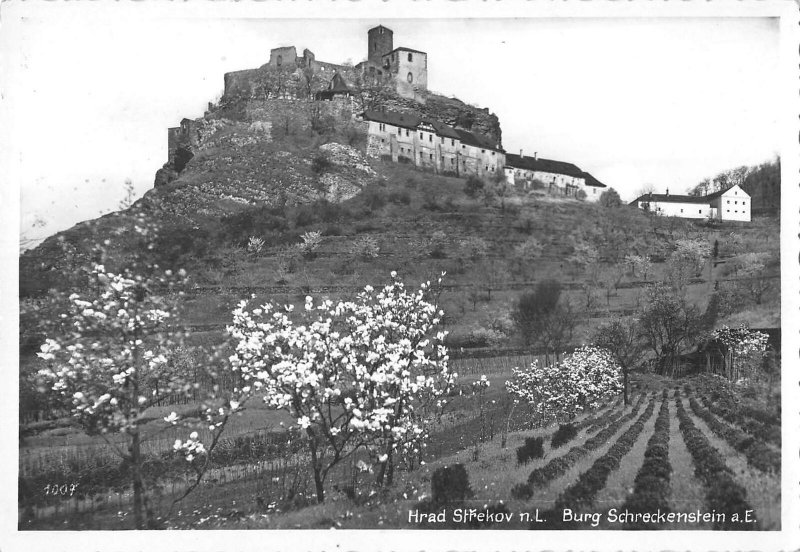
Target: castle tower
{"points": [[379, 42]]}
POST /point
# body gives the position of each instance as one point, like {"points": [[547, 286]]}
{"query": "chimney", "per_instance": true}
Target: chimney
{"points": [[667, 191], [535, 155], [520, 154]]}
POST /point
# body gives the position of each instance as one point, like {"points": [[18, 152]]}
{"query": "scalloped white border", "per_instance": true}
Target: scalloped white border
{"points": [[787, 538]]}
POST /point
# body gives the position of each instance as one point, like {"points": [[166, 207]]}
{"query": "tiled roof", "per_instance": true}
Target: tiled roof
{"points": [[404, 120], [476, 139], [544, 165], [404, 49], [412, 121], [671, 198], [589, 180]]}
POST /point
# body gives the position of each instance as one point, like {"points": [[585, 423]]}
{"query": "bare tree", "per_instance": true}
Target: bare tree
{"points": [[621, 338]]}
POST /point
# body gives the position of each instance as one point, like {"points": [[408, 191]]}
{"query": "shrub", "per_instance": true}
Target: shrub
{"points": [[438, 245], [320, 163], [304, 215], [400, 197], [533, 448], [473, 186], [564, 434], [364, 247], [430, 200], [311, 242], [521, 491], [374, 198], [450, 484]]}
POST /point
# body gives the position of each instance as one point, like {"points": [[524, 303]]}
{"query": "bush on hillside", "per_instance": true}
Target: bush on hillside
{"points": [[473, 186], [374, 198], [450, 484], [365, 248], [610, 198], [564, 434], [401, 197], [533, 448], [438, 245], [320, 164]]}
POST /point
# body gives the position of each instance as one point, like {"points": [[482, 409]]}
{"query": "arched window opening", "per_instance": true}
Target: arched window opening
{"points": [[410, 78]]}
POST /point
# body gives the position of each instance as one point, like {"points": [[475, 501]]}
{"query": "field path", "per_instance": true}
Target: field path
{"points": [[763, 490], [687, 492], [620, 482]]}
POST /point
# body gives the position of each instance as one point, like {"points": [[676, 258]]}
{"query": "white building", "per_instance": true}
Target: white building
{"points": [[557, 176], [431, 144], [730, 204]]}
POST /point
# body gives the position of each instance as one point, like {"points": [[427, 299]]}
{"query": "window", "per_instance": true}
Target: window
{"points": [[452, 142], [382, 141], [430, 137], [406, 132], [452, 161], [279, 60], [492, 153], [463, 146], [729, 202], [699, 211], [410, 77], [727, 210], [736, 203], [742, 202], [441, 159], [483, 151], [442, 139], [420, 136], [681, 210], [431, 156], [420, 156], [410, 58]]}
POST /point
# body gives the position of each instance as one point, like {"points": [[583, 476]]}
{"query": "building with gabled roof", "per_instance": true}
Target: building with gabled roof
{"points": [[431, 144], [732, 203], [556, 176]]}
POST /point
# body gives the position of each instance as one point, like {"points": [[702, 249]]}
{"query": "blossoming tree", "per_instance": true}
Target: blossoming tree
{"points": [[356, 375], [111, 356], [742, 350], [582, 380]]}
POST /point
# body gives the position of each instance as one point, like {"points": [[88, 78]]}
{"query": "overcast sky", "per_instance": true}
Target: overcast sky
{"points": [[633, 101]]}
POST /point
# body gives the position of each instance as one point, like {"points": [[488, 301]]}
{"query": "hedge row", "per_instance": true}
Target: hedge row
{"points": [[723, 494], [758, 454], [768, 430], [599, 417], [602, 421], [532, 448], [582, 493], [651, 487], [559, 466]]}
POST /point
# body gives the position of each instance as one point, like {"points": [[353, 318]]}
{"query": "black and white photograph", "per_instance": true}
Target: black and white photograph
{"points": [[339, 268]]}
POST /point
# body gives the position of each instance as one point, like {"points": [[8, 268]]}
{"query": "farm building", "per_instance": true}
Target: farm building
{"points": [[730, 204], [557, 176]]}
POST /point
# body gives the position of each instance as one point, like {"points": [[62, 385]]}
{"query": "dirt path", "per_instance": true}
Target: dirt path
{"points": [[687, 493], [620, 482]]}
